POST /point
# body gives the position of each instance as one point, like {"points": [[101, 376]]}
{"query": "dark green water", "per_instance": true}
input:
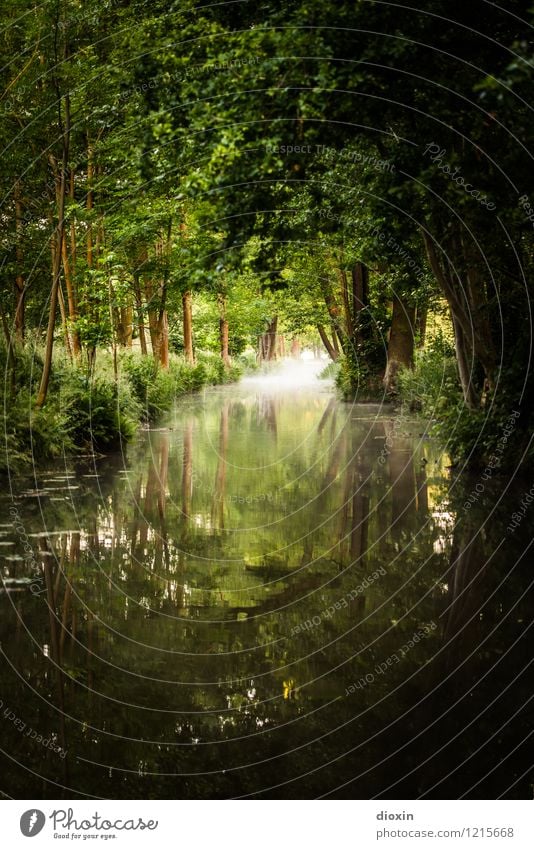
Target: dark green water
{"points": [[274, 595]]}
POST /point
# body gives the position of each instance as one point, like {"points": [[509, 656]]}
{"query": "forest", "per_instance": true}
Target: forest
{"points": [[189, 190], [268, 400]]}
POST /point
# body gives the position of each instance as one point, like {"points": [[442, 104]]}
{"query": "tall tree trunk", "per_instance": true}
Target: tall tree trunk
{"points": [[465, 364], [159, 336], [464, 329], [334, 312], [346, 300], [335, 341], [267, 349], [188, 327], [140, 314], [162, 326], [478, 308], [71, 298], [152, 318], [72, 294], [19, 279], [360, 301], [420, 325], [56, 271], [401, 342], [89, 202], [123, 318], [223, 330], [64, 322], [164, 340], [332, 353]]}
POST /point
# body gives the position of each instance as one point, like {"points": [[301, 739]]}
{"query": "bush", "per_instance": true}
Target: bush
{"points": [[433, 388], [432, 385], [97, 411], [31, 435], [330, 372], [357, 380], [152, 387], [248, 362], [156, 389]]}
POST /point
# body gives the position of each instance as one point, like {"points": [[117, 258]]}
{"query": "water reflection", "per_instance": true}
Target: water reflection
{"points": [[232, 610]]}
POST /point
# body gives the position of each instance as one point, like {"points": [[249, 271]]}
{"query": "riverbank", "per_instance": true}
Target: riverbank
{"points": [[96, 409]]}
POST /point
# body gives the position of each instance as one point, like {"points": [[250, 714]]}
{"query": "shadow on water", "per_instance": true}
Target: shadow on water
{"points": [[273, 594]]}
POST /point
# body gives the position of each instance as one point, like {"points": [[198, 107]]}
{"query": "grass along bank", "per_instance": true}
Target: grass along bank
{"points": [[92, 410]]}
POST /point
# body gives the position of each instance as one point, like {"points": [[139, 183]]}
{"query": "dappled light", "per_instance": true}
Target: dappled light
{"points": [[267, 409]]}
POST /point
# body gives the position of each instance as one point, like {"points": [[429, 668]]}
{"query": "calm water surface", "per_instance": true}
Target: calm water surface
{"points": [[274, 594]]}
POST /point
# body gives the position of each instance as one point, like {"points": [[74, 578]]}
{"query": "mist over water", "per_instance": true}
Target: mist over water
{"points": [[291, 374]]}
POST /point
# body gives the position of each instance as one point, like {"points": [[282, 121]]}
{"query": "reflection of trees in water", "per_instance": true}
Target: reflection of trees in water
{"points": [[187, 470], [266, 410], [402, 480], [472, 732], [217, 508], [160, 548]]}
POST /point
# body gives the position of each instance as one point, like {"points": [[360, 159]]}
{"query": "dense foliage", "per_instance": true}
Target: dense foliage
{"points": [[182, 177]]}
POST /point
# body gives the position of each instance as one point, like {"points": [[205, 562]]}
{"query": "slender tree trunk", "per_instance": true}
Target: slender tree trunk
{"points": [[72, 294], [462, 324], [188, 327], [360, 301], [295, 348], [163, 250], [113, 325], [420, 326], [140, 316], [164, 340], [123, 318], [89, 202], [11, 363], [346, 300], [159, 335], [268, 341], [152, 319], [478, 306], [71, 298], [223, 330], [465, 363], [127, 323], [335, 341], [401, 342], [64, 322], [19, 279], [334, 312], [332, 353], [56, 271]]}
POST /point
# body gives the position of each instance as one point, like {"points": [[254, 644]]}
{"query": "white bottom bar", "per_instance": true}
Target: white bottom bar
{"points": [[265, 824]]}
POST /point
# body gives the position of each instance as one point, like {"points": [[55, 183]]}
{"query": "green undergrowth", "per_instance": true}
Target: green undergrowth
{"points": [[95, 411], [330, 372], [357, 380], [495, 434]]}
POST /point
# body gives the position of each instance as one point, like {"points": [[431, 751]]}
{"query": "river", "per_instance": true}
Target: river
{"points": [[273, 594]]}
